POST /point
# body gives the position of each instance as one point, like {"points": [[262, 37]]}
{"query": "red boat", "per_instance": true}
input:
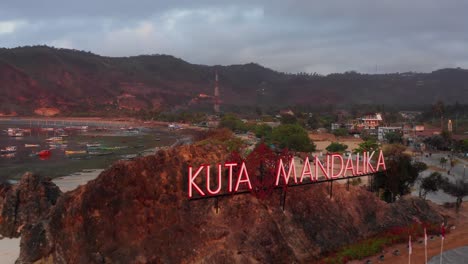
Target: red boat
{"points": [[44, 153]]}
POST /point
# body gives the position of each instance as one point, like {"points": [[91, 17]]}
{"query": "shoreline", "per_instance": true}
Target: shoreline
{"points": [[10, 247], [101, 120]]}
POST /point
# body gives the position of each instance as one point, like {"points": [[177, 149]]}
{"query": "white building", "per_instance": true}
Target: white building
{"points": [[382, 131]]}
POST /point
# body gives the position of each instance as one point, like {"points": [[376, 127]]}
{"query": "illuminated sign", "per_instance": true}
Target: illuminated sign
{"points": [[263, 170]]}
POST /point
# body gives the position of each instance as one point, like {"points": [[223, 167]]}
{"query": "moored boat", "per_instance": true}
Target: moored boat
{"points": [[75, 152], [18, 134], [54, 139], [110, 148], [93, 145], [44, 153], [9, 149], [31, 145], [57, 146], [97, 153], [8, 155]]}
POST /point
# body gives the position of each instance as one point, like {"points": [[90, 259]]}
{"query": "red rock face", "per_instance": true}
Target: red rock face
{"points": [[138, 212], [27, 202]]}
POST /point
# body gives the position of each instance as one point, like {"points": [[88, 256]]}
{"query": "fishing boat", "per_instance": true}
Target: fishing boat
{"points": [[110, 148], [31, 145], [132, 130], [75, 152], [18, 134], [93, 145], [97, 153], [8, 155], [54, 139], [129, 156], [44, 153], [60, 132], [9, 149], [12, 131], [57, 146]]}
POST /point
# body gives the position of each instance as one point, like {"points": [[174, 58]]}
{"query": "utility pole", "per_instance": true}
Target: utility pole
{"points": [[216, 95]]}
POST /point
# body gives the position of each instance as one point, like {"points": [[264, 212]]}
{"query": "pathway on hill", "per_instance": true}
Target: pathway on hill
{"points": [[456, 238]]}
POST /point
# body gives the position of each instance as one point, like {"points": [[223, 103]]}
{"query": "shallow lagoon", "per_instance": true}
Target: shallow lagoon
{"points": [[118, 142]]}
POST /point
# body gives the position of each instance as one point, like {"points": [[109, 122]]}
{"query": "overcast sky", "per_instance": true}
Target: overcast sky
{"points": [[291, 36]]}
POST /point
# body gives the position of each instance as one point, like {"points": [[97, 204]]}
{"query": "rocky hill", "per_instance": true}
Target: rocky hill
{"points": [[138, 212], [46, 80]]}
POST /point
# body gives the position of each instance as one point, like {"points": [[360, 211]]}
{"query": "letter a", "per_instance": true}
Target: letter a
{"points": [[381, 161], [243, 171]]}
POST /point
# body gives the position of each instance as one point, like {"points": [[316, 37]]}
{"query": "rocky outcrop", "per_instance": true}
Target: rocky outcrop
{"points": [[138, 212], [27, 202]]}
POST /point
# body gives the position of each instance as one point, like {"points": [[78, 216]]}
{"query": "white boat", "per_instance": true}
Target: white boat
{"points": [[8, 155], [58, 146], [15, 132], [9, 149], [93, 145], [75, 152], [31, 145], [54, 139], [18, 134]]}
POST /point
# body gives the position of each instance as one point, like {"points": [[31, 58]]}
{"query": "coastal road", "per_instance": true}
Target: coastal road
{"points": [[456, 173]]}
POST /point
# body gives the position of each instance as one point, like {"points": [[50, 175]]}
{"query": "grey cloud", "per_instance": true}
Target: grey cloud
{"points": [[291, 36]]}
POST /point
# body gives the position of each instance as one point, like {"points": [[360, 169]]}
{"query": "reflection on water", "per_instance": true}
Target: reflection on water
{"points": [[76, 150]]}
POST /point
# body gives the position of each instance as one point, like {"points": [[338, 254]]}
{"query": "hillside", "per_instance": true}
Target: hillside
{"points": [[138, 211], [76, 82]]}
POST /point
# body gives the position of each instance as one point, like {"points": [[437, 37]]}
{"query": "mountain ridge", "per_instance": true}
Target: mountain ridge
{"points": [[77, 82]]}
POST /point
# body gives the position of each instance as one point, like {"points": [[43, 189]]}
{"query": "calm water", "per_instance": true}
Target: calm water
{"points": [[59, 164]]}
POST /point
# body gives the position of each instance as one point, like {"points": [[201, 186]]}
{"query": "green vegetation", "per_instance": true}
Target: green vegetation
{"points": [[462, 146], [437, 142], [221, 137], [374, 245], [432, 183], [401, 173], [368, 145], [393, 137], [288, 119], [458, 189], [232, 122], [263, 131], [340, 132], [293, 137], [336, 147], [443, 161]]}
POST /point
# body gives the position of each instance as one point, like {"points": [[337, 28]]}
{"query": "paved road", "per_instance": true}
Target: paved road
{"points": [[456, 173]]}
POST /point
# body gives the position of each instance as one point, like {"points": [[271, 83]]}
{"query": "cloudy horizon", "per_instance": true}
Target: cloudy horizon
{"points": [[289, 36]]}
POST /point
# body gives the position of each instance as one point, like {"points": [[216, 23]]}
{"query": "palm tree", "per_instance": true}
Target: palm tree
{"points": [[443, 161]]}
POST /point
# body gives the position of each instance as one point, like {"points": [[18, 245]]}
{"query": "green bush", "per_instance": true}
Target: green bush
{"points": [[293, 137], [336, 147]]}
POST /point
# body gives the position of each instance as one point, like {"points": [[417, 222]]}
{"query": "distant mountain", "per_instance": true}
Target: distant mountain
{"points": [[40, 79]]}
